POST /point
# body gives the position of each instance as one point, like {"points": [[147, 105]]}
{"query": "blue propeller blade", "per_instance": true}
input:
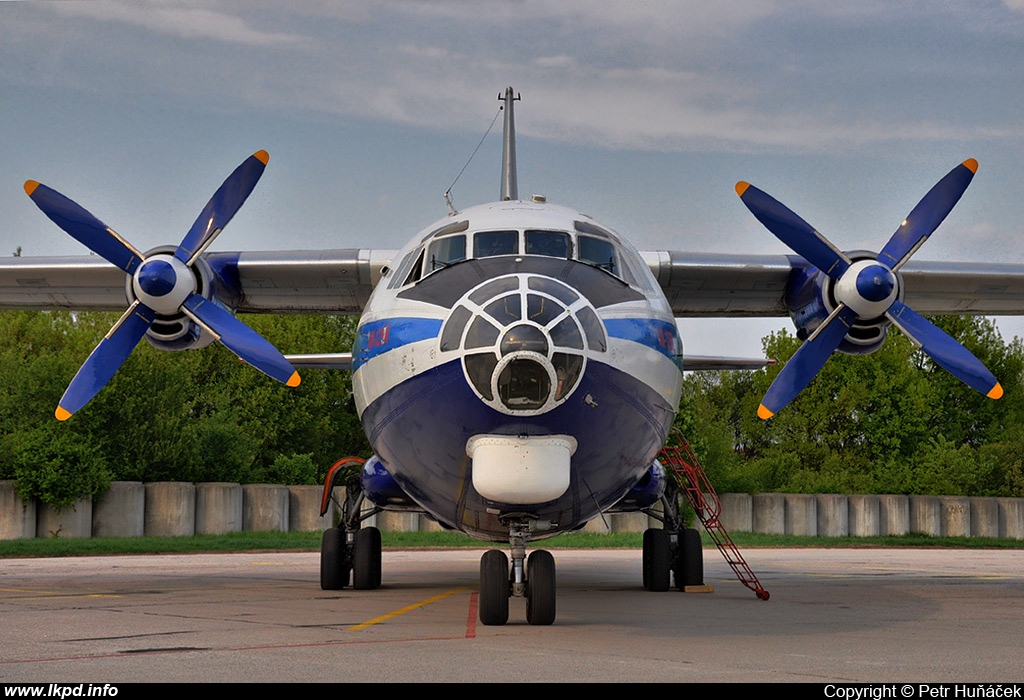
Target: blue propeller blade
{"points": [[83, 226], [933, 208], [796, 233], [225, 202], [243, 341], [806, 363], [946, 351], [105, 360]]}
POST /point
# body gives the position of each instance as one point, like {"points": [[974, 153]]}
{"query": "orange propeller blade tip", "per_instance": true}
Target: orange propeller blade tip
{"points": [[30, 187], [294, 380], [997, 392], [741, 187], [262, 156], [62, 413], [763, 413], [971, 165]]}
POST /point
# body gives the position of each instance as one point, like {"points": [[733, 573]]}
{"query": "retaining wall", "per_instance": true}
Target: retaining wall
{"points": [[174, 508]]}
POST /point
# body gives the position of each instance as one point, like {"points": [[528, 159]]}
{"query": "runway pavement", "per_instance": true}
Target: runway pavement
{"points": [[869, 615]]}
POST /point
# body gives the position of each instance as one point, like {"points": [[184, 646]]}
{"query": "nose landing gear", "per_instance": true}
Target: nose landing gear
{"points": [[532, 578]]}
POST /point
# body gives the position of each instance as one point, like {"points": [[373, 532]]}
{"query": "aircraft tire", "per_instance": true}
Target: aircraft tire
{"points": [[494, 588], [689, 568], [366, 565], [540, 588], [335, 566], [657, 560]]}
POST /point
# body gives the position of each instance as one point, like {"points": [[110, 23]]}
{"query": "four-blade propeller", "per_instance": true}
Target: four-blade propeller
{"points": [[867, 289], [163, 284]]}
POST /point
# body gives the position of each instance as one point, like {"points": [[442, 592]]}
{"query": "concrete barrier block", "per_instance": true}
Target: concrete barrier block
{"points": [[984, 517], [865, 515], [265, 508], [801, 514], [769, 516], [601, 524], [926, 515], [121, 511], [170, 509], [398, 521], [73, 521], [893, 515], [428, 524], [304, 509], [631, 522], [737, 512], [955, 516], [218, 508], [17, 517], [1011, 518], [833, 515]]}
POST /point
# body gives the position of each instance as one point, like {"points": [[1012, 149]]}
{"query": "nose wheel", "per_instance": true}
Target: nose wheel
{"points": [[532, 578]]}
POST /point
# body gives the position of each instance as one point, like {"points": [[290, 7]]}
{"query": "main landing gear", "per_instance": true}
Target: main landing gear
{"points": [[350, 551], [673, 554], [531, 577]]}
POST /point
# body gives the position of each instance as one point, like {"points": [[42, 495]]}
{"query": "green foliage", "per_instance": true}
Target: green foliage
{"points": [[169, 416], [889, 422]]}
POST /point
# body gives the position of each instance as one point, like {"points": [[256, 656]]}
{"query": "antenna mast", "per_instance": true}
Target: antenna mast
{"points": [[509, 183]]}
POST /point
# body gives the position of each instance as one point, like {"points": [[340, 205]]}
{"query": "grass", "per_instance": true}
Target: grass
{"points": [[310, 541]]}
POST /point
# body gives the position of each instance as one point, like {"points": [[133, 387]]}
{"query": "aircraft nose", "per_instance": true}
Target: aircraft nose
{"points": [[524, 340]]}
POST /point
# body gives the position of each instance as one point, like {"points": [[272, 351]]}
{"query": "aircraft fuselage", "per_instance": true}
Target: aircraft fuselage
{"points": [[517, 359]]}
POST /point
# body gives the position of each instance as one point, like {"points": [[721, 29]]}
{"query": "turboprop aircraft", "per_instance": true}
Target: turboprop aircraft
{"points": [[517, 365]]}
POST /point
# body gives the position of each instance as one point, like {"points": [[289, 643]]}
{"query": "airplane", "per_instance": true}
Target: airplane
{"points": [[517, 365]]}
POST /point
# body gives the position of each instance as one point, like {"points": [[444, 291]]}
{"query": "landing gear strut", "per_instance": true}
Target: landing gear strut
{"points": [[350, 551], [532, 578], [674, 553]]}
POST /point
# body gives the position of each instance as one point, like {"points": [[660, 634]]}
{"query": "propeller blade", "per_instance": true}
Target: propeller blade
{"points": [[84, 227], [806, 362], [225, 202], [945, 350], [933, 208], [106, 359], [796, 233], [241, 340]]}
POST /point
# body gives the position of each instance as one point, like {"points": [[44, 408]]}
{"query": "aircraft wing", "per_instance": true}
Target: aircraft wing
{"points": [[704, 284], [340, 281], [318, 282]]}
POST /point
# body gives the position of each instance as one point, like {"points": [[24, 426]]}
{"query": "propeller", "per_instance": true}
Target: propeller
{"points": [[163, 284], [868, 289]]}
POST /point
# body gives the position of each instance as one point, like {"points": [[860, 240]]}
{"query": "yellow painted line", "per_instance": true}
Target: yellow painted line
{"points": [[62, 596], [408, 608]]}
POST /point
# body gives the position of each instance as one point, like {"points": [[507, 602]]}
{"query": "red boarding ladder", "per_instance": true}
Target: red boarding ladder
{"points": [[677, 456]]}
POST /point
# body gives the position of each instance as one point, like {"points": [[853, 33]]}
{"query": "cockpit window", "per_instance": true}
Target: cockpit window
{"points": [[489, 243], [445, 251], [554, 244], [597, 251]]}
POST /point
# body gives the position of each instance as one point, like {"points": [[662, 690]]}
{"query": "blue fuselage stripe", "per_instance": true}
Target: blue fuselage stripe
{"points": [[653, 333], [378, 337]]}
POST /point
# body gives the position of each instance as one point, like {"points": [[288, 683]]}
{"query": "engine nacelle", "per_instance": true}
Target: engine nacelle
{"points": [[646, 492], [811, 297], [382, 489]]}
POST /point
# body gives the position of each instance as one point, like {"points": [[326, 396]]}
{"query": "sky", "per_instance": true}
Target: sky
{"points": [[641, 114]]}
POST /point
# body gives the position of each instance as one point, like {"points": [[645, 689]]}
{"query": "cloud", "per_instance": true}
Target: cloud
{"points": [[184, 20]]}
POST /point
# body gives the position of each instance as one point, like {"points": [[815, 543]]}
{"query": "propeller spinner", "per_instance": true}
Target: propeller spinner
{"points": [[867, 289], [163, 284]]}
